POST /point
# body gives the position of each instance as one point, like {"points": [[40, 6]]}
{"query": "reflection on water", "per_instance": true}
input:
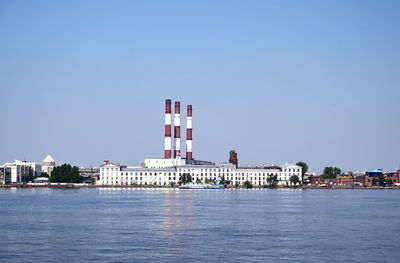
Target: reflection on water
{"points": [[177, 217], [172, 225]]}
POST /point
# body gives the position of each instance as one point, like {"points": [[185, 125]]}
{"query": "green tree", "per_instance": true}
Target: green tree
{"points": [[198, 181], [389, 182], [209, 181], [44, 174], [374, 181], [331, 172], [248, 184], [272, 180], [294, 180], [222, 180], [185, 178], [65, 174], [304, 167], [31, 176], [382, 180]]}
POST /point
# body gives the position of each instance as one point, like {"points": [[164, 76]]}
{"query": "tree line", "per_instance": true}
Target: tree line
{"points": [[65, 174]]}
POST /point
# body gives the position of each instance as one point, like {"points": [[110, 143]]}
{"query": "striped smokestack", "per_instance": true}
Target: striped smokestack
{"points": [[167, 141], [189, 155], [177, 129]]}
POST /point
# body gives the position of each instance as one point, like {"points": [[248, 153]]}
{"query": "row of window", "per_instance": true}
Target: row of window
{"points": [[228, 177], [116, 182], [140, 180], [201, 174], [189, 170], [291, 170]]}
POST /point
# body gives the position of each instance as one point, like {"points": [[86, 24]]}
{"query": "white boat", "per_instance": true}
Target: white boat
{"points": [[202, 186]]}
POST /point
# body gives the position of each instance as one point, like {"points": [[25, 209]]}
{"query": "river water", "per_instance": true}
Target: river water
{"points": [[172, 225]]}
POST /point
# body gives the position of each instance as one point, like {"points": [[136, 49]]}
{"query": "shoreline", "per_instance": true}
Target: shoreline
{"points": [[74, 186]]}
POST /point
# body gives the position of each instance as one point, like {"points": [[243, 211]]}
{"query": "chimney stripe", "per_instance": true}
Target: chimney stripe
{"points": [[189, 138], [177, 129], [167, 140]]}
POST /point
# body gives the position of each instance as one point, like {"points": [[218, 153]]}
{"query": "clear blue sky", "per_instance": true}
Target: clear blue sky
{"points": [[317, 81]]}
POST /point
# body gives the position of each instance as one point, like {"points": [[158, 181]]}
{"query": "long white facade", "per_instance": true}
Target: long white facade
{"points": [[114, 174]]}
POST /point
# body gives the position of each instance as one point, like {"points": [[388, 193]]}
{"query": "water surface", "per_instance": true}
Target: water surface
{"points": [[172, 225]]}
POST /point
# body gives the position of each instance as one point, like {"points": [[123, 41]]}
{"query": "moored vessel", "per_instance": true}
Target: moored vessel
{"points": [[202, 186]]}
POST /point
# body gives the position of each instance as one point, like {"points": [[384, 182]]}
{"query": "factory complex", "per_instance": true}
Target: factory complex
{"points": [[168, 170]]}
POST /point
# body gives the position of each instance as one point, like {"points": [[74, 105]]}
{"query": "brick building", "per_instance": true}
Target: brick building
{"points": [[345, 179]]}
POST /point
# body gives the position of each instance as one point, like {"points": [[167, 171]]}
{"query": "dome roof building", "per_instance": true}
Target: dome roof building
{"points": [[49, 161], [48, 164]]}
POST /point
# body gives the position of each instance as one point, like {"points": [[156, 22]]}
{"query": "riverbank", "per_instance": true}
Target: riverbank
{"points": [[168, 186]]}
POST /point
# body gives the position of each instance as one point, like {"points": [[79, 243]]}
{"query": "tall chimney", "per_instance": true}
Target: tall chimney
{"points": [[189, 155], [177, 129], [167, 140], [233, 158]]}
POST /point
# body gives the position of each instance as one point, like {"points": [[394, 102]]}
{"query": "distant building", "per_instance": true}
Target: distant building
{"points": [[162, 163], [323, 182], [2, 175], [372, 177], [89, 172], [345, 179], [20, 171], [41, 180], [48, 164], [115, 174], [168, 170], [233, 158], [17, 172], [36, 166], [357, 174], [307, 177]]}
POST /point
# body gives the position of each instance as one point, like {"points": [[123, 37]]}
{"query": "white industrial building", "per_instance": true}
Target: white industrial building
{"points": [[115, 174], [167, 170]]}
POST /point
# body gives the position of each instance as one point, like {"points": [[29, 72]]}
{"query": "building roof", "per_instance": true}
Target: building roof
{"points": [[375, 171], [49, 159], [290, 165], [140, 169], [110, 164]]}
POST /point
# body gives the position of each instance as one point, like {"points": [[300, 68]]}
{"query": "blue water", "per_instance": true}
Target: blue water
{"points": [[172, 225]]}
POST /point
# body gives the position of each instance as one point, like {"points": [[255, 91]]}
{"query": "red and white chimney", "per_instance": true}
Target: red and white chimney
{"points": [[177, 129], [189, 155], [167, 141]]}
